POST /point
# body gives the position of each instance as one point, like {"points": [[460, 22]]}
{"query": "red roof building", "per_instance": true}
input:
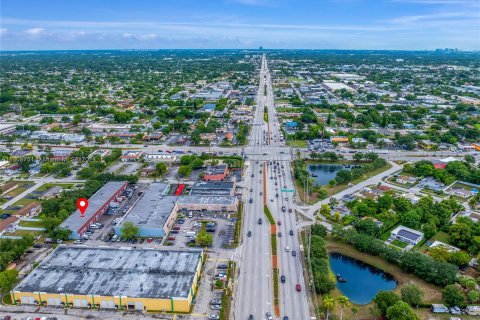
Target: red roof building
{"points": [[217, 173]]}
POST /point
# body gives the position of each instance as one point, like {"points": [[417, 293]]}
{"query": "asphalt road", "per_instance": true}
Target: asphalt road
{"points": [[255, 291]]}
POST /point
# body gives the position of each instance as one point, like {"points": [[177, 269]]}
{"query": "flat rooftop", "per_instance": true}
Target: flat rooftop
{"points": [[218, 187], [75, 221], [141, 273], [198, 199], [153, 208]]}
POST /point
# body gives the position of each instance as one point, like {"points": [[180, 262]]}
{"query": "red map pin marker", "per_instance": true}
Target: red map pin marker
{"points": [[82, 204]]}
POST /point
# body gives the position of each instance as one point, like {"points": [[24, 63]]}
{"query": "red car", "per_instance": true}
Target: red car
{"points": [[171, 238], [298, 287], [149, 240]]}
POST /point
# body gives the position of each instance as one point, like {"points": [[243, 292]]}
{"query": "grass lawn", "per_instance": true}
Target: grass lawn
{"points": [[47, 186], [297, 143], [432, 294], [282, 101], [31, 224], [20, 233], [440, 236], [23, 202], [336, 189], [265, 116], [22, 186], [399, 243]]}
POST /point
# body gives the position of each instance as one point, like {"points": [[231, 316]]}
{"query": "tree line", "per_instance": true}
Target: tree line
{"points": [[425, 267]]}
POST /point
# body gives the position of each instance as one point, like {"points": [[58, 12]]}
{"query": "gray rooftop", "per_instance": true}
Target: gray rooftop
{"points": [[108, 272], [153, 208], [194, 199], [75, 221], [212, 188], [408, 234]]}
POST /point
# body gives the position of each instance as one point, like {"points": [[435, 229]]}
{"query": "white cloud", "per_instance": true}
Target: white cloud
{"points": [[35, 31], [140, 37]]}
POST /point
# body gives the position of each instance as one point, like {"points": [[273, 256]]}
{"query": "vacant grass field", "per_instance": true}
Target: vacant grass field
{"points": [[336, 189], [297, 143], [23, 202], [47, 186], [31, 224]]}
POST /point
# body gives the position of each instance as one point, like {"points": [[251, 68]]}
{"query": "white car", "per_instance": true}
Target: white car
{"points": [[213, 317]]}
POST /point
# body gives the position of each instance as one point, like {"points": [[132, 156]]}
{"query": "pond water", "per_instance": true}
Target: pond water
{"points": [[324, 172], [363, 281]]}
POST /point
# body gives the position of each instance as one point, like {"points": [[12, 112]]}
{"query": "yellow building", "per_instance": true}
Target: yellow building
{"points": [[111, 278]]}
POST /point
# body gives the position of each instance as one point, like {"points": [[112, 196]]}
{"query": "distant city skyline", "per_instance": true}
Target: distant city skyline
{"points": [[240, 24]]}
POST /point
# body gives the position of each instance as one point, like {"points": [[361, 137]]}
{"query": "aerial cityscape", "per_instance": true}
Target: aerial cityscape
{"points": [[240, 159]]}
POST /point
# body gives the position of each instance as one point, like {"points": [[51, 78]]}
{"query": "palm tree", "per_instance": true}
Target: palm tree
{"points": [[343, 302], [328, 304]]}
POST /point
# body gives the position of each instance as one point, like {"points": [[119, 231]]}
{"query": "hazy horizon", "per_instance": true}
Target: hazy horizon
{"points": [[240, 24]]}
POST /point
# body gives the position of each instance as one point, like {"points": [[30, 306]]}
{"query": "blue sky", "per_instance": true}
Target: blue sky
{"points": [[320, 24]]}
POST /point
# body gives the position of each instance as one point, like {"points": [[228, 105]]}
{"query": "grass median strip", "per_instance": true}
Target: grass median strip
{"points": [[273, 242]]}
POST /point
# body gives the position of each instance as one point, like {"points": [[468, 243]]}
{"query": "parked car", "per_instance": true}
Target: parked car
{"points": [[215, 307], [216, 301], [213, 317], [222, 266]]}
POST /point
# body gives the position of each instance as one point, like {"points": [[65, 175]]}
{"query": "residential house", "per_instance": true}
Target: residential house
{"points": [[407, 235], [130, 156]]}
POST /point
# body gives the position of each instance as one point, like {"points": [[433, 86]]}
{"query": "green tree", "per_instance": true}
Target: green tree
{"points": [[161, 168], [204, 239], [8, 278], [184, 171], [401, 311], [328, 303], [384, 300], [343, 302], [129, 230], [453, 295], [368, 227], [469, 158], [473, 296], [325, 210], [412, 295]]}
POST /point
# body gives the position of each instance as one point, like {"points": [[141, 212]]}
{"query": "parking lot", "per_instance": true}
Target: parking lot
{"points": [[208, 298], [99, 236], [186, 229]]}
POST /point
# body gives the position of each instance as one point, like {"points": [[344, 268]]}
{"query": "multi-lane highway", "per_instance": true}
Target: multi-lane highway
{"points": [[267, 172]]}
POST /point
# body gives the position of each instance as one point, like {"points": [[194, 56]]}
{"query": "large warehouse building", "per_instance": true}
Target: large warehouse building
{"points": [[152, 214], [97, 205], [112, 278], [155, 212]]}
